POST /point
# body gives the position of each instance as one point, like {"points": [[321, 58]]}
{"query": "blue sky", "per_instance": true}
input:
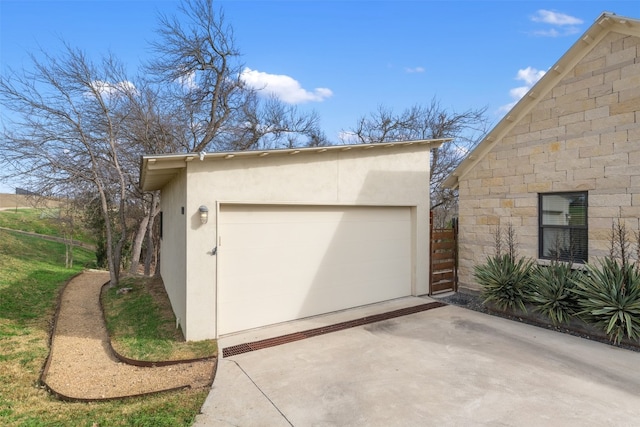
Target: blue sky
{"points": [[340, 58]]}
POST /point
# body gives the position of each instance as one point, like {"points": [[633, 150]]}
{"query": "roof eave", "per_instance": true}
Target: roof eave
{"points": [[171, 164], [606, 22]]}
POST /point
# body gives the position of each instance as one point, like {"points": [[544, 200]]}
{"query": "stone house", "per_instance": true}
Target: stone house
{"points": [[564, 163]]}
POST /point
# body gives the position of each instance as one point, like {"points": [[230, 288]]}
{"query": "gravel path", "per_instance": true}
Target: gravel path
{"points": [[81, 365]]}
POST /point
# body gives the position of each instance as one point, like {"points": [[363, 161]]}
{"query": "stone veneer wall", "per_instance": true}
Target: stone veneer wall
{"points": [[584, 135]]}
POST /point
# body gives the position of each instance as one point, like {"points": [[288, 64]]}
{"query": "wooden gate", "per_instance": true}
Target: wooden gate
{"points": [[444, 259]]}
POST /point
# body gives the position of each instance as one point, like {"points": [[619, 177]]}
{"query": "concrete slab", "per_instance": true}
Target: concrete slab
{"points": [[446, 366], [314, 322]]}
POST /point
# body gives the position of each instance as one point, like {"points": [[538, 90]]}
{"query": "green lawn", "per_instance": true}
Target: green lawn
{"points": [[32, 275], [41, 221], [142, 325]]}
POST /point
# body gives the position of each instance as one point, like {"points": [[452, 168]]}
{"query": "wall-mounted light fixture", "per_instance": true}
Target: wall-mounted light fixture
{"points": [[204, 214]]}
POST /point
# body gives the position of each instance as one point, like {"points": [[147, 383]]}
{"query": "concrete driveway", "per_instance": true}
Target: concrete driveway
{"points": [[447, 366]]}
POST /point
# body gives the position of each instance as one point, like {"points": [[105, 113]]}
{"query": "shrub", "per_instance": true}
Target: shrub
{"points": [[505, 281], [610, 298], [551, 291]]}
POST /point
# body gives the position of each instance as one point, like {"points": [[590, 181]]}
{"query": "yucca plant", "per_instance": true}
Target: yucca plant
{"points": [[609, 298], [505, 281], [551, 291]]}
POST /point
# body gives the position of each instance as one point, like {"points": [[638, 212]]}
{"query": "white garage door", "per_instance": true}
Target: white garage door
{"points": [[279, 263]]}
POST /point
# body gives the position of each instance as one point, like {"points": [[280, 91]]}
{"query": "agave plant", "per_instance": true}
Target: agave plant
{"points": [[610, 298], [551, 291], [505, 281]]}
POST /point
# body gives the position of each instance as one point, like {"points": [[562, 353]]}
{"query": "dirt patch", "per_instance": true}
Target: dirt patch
{"points": [[81, 365]]}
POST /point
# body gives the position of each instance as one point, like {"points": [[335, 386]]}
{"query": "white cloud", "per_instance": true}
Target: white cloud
{"points": [[530, 77], [112, 89], [285, 88], [412, 70], [555, 18], [564, 24]]}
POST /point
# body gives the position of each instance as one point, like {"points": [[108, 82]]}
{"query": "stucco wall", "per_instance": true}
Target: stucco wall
{"points": [[583, 135], [173, 245], [397, 176]]}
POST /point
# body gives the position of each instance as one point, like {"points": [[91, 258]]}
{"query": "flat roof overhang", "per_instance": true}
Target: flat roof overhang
{"points": [[156, 170]]}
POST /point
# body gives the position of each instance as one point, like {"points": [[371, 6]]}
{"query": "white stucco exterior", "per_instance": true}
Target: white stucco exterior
{"points": [[393, 175]]}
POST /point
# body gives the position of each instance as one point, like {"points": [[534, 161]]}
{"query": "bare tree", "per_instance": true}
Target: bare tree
{"points": [[429, 121], [65, 130], [199, 66]]}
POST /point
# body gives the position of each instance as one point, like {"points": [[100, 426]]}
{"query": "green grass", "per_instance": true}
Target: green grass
{"points": [[41, 221], [142, 325], [32, 275]]}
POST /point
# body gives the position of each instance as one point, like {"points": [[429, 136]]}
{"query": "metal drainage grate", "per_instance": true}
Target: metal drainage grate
{"points": [[296, 336]]}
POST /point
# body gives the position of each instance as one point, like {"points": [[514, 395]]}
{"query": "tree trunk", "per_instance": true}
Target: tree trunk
{"points": [[137, 243], [156, 273], [153, 211]]}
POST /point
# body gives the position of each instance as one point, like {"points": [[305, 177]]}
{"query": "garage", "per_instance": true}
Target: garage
{"points": [[282, 262], [255, 238]]}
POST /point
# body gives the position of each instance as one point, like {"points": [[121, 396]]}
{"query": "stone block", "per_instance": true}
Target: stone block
{"points": [[553, 132], [596, 150], [553, 177], [519, 129], [578, 128], [490, 202], [527, 202], [613, 182], [606, 100], [589, 141], [514, 179], [584, 83], [518, 189], [597, 113], [540, 114], [571, 118], [504, 172], [587, 67], [601, 220], [630, 212], [574, 185], [528, 137], [498, 164], [620, 141], [570, 160], [628, 106], [630, 41], [478, 191], [498, 190], [625, 170], [625, 83], [544, 124], [575, 106], [624, 55], [611, 75], [539, 187], [588, 173], [526, 151], [538, 158], [609, 200], [604, 89], [495, 181], [613, 159]]}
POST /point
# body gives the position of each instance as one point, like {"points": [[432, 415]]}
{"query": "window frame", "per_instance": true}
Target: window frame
{"points": [[542, 227]]}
